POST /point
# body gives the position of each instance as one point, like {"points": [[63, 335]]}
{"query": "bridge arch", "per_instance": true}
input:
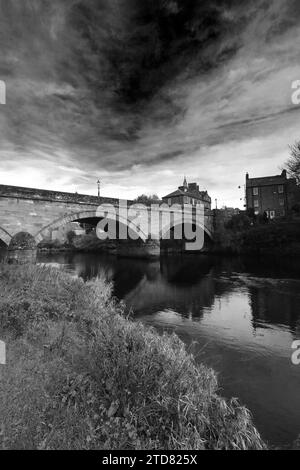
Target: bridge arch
{"points": [[5, 236], [87, 215], [164, 232], [186, 244]]}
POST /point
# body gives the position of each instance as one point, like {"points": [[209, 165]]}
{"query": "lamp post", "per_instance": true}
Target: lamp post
{"points": [[99, 185]]}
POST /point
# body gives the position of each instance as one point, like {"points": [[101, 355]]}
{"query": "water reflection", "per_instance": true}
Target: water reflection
{"points": [[239, 316], [2, 251]]}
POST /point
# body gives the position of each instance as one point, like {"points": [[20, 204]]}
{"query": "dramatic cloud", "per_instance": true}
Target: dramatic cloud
{"points": [[133, 91]]}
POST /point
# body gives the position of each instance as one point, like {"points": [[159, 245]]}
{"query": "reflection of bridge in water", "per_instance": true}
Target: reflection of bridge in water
{"points": [[37, 214]]}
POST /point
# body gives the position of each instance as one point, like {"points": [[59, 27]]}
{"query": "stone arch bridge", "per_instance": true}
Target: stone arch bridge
{"points": [[38, 213]]}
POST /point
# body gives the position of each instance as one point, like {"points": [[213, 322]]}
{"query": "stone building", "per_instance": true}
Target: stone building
{"points": [[273, 195], [188, 194]]}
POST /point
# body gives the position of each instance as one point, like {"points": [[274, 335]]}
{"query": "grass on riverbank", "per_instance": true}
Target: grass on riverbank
{"points": [[80, 375]]}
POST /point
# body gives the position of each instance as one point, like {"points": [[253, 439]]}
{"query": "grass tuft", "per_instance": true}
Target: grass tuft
{"points": [[82, 376]]}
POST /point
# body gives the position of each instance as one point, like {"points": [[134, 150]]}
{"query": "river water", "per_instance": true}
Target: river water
{"points": [[239, 316]]}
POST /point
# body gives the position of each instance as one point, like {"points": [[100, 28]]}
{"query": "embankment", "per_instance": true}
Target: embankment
{"points": [[269, 239], [79, 375]]}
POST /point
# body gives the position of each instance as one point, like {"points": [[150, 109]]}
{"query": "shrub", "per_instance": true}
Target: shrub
{"points": [[238, 222], [296, 208]]}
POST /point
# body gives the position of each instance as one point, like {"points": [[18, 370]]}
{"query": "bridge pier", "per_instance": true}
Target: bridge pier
{"points": [[22, 249]]}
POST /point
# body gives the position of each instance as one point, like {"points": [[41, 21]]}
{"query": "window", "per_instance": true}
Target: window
{"points": [[281, 201], [272, 214], [185, 200], [255, 191], [281, 189], [256, 203], [169, 202]]}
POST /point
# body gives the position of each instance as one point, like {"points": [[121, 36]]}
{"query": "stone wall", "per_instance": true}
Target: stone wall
{"points": [[44, 214], [53, 196], [33, 215]]}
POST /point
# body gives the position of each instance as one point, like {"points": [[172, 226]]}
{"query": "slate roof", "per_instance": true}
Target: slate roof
{"points": [[195, 195], [266, 181]]}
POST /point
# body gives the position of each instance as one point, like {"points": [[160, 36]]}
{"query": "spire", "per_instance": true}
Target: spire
{"points": [[185, 185]]}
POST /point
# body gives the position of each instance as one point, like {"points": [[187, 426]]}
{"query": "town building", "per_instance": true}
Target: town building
{"points": [[273, 195], [188, 194]]}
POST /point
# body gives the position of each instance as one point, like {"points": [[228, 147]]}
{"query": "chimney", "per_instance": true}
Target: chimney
{"points": [[283, 174], [192, 187]]}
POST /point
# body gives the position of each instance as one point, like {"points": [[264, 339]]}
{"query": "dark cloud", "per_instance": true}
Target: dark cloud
{"points": [[141, 45], [113, 83]]}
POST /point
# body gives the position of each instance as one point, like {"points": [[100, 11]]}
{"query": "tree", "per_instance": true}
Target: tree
{"points": [[70, 236], [293, 163], [251, 214], [147, 200], [296, 208], [238, 223], [263, 218]]}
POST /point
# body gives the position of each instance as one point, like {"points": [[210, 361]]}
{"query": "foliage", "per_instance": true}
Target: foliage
{"points": [[296, 208], [82, 376], [53, 245], [275, 237], [147, 200], [22, 241], [293, 163], [251, 214], [90, 242], [70, 236], [263, 218], [238, 222]]}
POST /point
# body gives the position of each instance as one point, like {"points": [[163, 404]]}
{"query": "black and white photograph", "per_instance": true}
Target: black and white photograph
{"points": [[149, 228]]}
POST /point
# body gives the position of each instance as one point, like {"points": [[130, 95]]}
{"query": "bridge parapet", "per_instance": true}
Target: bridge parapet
{"points": [[53, 196]]}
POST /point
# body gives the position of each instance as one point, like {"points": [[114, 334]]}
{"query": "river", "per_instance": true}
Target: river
{"points": [[239, 316]]}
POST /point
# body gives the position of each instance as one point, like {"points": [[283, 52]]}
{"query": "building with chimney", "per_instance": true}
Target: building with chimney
{"points": [[188, 193], [273, 195]]}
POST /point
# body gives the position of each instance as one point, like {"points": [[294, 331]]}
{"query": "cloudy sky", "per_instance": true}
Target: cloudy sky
{"points": [[141, 92]]}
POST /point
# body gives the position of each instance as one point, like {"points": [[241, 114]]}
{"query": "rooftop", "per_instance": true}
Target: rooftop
{"points": [[266, 180], [195, 195]]}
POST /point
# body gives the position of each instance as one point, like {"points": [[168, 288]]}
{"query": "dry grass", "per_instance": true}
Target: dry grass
{"points": [[82, 376]]}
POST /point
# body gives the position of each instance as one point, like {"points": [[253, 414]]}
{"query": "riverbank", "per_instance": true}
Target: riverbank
{"points": [[275, 238], [80, 375], [78, 243]]}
